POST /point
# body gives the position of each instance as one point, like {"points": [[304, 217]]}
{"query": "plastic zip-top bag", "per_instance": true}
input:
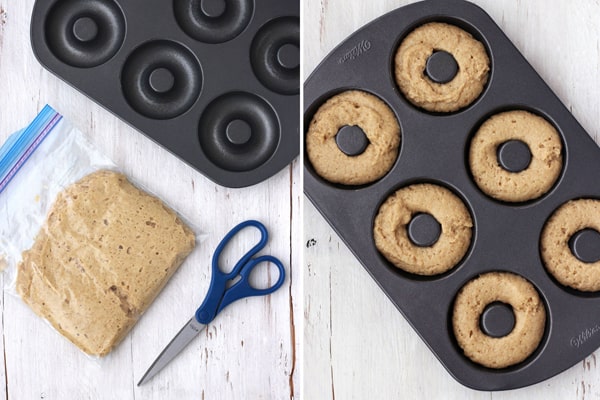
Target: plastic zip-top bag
{"points": [[81, 245]]}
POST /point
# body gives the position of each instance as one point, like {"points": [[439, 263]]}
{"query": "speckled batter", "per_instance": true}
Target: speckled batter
{"points": [[391, 236], [529, 312], [377, 121], [411, 60], [104, 253], [546, 156], [569, 219]]}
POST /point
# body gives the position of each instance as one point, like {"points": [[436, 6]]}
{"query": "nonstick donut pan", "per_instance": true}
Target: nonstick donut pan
{"points": [[216, 82], [434, 148]]}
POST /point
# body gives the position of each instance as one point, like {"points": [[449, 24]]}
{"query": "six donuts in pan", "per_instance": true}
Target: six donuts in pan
{"points": [[448, 167]]}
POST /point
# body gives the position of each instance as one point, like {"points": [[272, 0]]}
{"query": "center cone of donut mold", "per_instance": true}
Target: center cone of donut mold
{"points": [[497, 319], [351, 140], [288, 56], [585, 245], [441, 67], [85, 29], [514, 156], [424, 230], [162, 80], [239, 132], [213, 8]]}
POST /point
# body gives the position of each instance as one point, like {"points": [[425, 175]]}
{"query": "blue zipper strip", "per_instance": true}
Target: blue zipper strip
{"points": [[21, 145]]}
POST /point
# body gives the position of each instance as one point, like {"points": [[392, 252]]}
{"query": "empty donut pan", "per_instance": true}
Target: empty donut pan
{"points": [[434, 148], [216, 82]]}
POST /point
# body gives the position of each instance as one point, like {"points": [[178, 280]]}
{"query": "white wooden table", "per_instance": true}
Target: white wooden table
{"points": [[356, 344], [248, 352]]}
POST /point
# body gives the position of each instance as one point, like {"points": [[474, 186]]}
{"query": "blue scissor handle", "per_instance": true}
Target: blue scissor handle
{"points": [[219, 296]]}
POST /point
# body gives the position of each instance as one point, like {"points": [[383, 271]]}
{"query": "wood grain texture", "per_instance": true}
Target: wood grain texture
{"points": [[249, 351], [357, 345]]}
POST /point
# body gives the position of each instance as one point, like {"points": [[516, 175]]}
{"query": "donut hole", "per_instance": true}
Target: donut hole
{"points": [[424, 230], [440, 67], [514, 155], [288, 56], [161, 80], [85, 29], [497, 319], [352, 140], [238, 132], [585, 245]]}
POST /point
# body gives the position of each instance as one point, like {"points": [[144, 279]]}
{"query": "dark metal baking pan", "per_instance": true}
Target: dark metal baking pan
{"points": [[434, 148], [216, 82]]}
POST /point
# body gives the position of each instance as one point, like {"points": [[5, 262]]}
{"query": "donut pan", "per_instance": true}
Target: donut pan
{"points": [[434, 148], [216, 82]]}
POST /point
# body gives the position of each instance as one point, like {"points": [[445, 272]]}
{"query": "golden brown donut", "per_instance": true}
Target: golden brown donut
{"points": [[377, 121], [390, 230], [411, 60], [569, 219], [546, 156], [530, 319]]}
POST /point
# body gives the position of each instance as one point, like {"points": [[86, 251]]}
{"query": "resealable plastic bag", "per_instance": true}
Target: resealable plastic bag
{"points": [[86, 249]]}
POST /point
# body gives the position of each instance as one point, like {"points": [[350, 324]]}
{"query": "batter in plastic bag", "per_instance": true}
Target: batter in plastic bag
{"points": [[103, 254]]}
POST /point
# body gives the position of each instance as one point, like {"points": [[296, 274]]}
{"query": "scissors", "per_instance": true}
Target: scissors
{"points": [[219, 295]]}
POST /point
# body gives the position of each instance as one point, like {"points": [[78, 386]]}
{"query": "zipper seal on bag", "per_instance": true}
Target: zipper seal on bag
{"points": [[21, 145]]}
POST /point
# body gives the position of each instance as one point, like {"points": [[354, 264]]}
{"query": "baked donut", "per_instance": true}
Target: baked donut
{"points": [[546, 156], [569, 219], [411, 63], [377, 121], [529, 313], [391, 235]]}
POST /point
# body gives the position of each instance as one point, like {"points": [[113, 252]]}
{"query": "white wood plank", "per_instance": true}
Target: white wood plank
{"points": [[356, 344], [247, 352], [296, 291]]}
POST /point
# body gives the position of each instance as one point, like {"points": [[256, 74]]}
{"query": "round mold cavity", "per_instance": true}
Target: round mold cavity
{"points": [[213, 21], [440, 62], [583, 244], [161, 79], [425, 230], [85, 29], [85, 34], [499, 321], [515, 154], [275, 55], [239, 131], [309, 113]]}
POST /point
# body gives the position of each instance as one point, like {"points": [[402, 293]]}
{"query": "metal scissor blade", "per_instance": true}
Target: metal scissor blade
{"points": [[179, 342]]}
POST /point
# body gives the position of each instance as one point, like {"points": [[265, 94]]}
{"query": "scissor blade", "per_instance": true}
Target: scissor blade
{"points": [[179, 342]]}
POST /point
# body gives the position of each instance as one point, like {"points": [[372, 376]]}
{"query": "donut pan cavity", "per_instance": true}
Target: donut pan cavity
{"points": [[434, 148], [216, 82]]}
